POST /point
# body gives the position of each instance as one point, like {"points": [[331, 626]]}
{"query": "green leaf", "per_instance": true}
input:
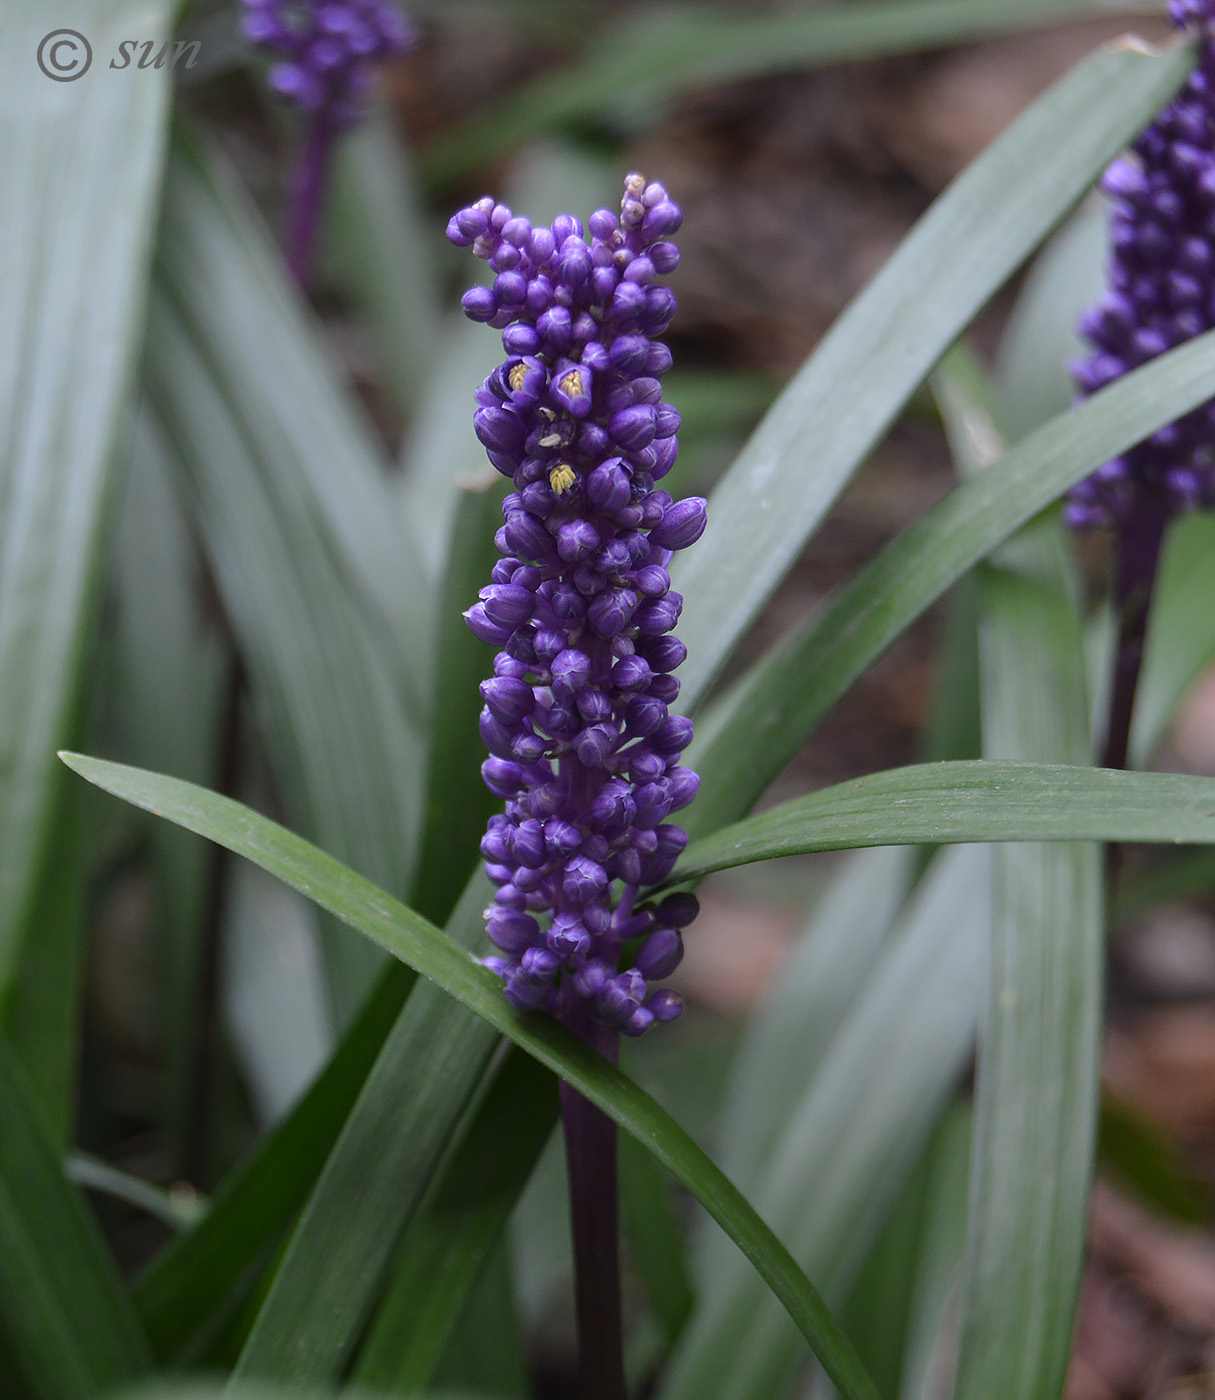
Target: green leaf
{"points": [[806, 450], [374, 1177], [852, 1136], [1181, 638], [671, 50], [62, 1301], [299, 524], [806, 1002], [190, 1282], [412, 939], [1144, 1159], [379, 242], [967, 801], [79, 174], [443, 1251], [1039, 1045], [763, 718], [458, 804]]}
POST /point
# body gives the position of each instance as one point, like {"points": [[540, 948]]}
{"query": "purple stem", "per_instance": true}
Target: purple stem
{"points": [[590, 1154], [1138, 555], [307, 195]]}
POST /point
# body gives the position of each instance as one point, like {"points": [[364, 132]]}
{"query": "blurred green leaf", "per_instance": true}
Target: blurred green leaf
{"points": [[669, 50], [807, 1000], [759, 723], [190, 1282], [379, 244], [1031, 380], [1036, 1093], [976, 234], [980, 800], [1142, 1158], [411, 938], [444, 1247], [301, 531], [458, 804], [1181, 631], [79, 172], [64, 1306], [374, 1177], [855, 1132]]}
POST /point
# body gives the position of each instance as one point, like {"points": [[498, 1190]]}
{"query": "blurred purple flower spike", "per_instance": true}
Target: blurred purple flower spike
{"points": [[326, 48], [577, 714]]}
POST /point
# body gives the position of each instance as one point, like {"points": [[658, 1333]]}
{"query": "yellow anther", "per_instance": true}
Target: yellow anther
{"points": [[571, 384], [561, 478], [516, 376]]}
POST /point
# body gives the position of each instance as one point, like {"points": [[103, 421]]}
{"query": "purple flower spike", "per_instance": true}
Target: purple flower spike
{"points": [[1160, 294], [585, 750], [326, 47]]}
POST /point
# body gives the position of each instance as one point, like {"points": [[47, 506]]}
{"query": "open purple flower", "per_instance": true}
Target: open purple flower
{"points": [[1161, 293], [584, 747]]}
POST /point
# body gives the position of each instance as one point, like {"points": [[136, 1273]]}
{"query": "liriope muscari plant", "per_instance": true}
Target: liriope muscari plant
{"points": [[584, 749], [326, 49], [1161, 292]]}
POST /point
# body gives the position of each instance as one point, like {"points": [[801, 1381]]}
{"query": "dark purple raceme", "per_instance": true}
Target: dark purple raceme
{"points": [[584, 745], [1161, 281], [326, 48]]}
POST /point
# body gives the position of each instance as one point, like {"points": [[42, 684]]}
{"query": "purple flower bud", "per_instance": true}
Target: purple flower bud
{"points": [[526, 535], [479, 304], [499, 429], [633, 428], [682, 524], [584, 880], [571, 669], [665, 1005], [568, 936], [613, 807], [659, 615], [501, 776], [660, 954], [593, 705], [684, 785], [653, 805], [495, 736], [595, 743], [507, 604], [631, 673], [609, 486], [673, 737], [576, 539], [561, 837], [665, 688], [510, 930], [572, 388], [609, 613]]}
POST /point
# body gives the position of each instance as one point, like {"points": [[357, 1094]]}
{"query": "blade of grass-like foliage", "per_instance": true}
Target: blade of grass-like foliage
{"points": [[63, 1304], [805, 1005], [444, 1248], [79, 169], [380, 249], [763, 718], [654, 1238], [1181, 631], [169, 669], [1036, 1096], [216, 261], [95, 1175], [412, 939], [941, 1247], [422, 1082], [849, 1142], [192, 1280], [669, 51], [806, 450], [326, 673], [1004, 800], [458, 804], [42, 1023]]}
